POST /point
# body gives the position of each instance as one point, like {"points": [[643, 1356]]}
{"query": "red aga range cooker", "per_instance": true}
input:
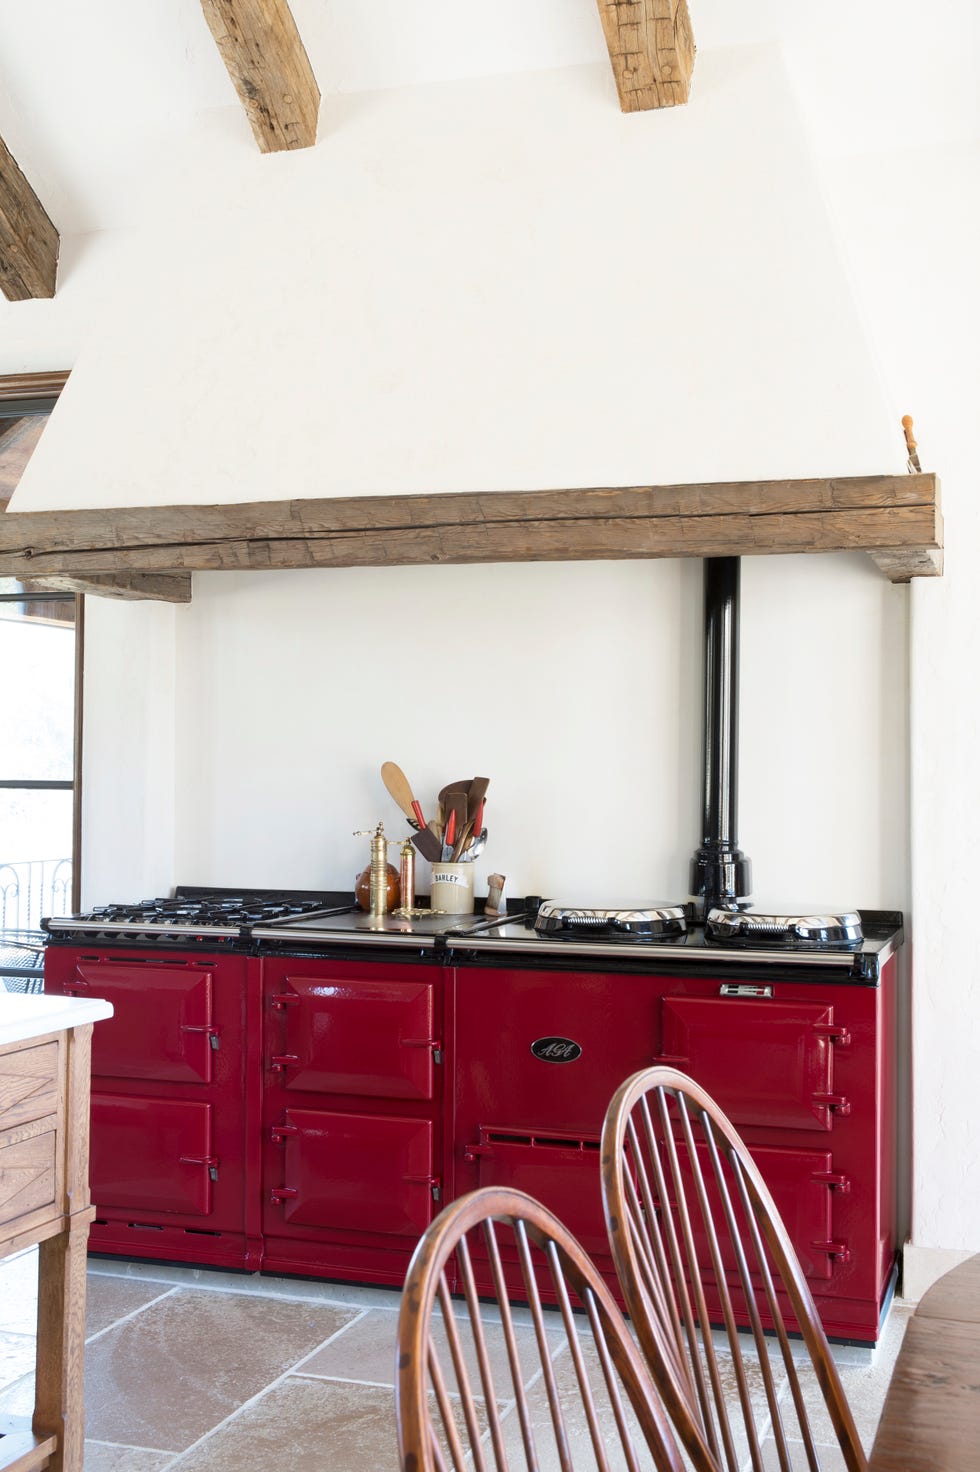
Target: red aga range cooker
{"points": [[289, 1084], [300, 1096]]}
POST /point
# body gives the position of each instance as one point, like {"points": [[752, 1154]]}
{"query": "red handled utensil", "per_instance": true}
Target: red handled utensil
{"points": [[400, 789], [466, 833]]}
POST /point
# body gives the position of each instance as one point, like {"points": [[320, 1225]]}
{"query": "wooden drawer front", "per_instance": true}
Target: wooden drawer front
{"points": [[28, 1085], [28, 1176]]}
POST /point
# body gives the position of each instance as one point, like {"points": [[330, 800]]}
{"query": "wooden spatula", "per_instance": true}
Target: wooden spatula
{"points": [[398, 785], [450, 789], [428, 845], [476, 794]]}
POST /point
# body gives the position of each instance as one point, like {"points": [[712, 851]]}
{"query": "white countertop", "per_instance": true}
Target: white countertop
{"points": [[25, 1016]]}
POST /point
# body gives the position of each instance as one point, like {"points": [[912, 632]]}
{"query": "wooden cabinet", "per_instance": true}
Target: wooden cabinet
{"points": [[44, 1201]]}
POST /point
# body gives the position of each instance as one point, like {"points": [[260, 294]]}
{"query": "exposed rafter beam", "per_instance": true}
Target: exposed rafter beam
{"points": [[35, 394], [163, 587], [28, 240], [651, 47], [894, 515], [267, 62]]}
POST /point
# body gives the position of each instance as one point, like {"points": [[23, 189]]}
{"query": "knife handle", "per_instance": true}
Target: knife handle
{"points": [[417, 810], [462, 841]]}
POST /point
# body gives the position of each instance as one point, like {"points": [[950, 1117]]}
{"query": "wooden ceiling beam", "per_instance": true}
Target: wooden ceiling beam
{"points": [[36, 394], [895, 516], [163, 588], [28, 240], [651, 47], [268, 64]]}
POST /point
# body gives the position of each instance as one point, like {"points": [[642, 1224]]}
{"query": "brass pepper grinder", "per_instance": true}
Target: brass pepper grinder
{"points": [[406, 881], [376, 887], [407, 875]]}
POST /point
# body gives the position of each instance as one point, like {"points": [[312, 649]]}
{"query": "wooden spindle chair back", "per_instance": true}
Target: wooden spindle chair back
{"points": [[487, 1386], [702, 1254]]}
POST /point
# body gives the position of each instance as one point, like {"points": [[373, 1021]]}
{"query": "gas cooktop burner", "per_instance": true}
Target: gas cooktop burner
{"points": [[839, 931], [231, 911], [661, 922], [221, 915]]}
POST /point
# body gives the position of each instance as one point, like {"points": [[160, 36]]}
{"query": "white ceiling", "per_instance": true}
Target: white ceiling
{"points": [[91, 95]]}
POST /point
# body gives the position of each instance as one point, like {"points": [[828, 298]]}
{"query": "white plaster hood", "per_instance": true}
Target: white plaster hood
{"points": [[496, 284]]}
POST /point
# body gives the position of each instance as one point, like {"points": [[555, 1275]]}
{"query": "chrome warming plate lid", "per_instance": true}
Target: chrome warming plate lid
{"points": [[842, 930], [569, 922]]}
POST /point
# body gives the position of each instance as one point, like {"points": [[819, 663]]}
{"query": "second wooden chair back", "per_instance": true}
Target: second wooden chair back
{"points": [[486, 1386], [702, 1253]]}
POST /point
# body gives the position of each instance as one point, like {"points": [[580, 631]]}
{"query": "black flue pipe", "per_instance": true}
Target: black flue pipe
{"points": [[720, 874]]}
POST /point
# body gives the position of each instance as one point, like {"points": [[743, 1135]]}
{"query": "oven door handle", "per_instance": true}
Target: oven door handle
{"points": [[211, 1161], [839, 1103], [435, 1044], [279, 1062], [212, 1033]]}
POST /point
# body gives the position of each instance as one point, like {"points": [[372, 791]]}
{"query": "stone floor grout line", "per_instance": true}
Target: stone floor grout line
{"points": [[126, 1318], [260, 1395]]}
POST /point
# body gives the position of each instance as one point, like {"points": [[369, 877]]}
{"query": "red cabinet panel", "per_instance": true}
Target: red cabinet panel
{"points": [[162, 1027], [151, 1154], [765, 1062], [562, 1174], [354, 1172], [352, 1098], [800, 1183], [614, 1020], [804, 1073], [348, 1032]]}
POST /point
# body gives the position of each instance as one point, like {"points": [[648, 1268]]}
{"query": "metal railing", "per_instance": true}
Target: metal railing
{"points": [[30, 888]]}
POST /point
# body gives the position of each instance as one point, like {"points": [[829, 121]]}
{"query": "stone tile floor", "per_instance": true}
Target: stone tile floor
{"points": [[190, 1371]]}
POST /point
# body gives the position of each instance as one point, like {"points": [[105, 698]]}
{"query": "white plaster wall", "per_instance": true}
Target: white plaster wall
{"points": [[577, 689], [502, 283], [128, 778], [911, 227]]}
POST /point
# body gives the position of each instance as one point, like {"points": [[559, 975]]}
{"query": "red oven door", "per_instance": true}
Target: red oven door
{"points": [[352, 1173], [163, 1024], [766, 1062], [152, 1155], [354, 1029], [802, 1183], [561, 1173]]}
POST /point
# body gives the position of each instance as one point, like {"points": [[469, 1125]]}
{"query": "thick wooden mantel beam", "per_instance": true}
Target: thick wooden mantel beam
{"points": [[267, 62], [651, 47], [28, 240], [894, 516]]}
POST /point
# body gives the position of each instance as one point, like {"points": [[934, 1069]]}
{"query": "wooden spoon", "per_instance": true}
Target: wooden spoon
{"points": [[446, 793], [398, 785], [476, 794]]}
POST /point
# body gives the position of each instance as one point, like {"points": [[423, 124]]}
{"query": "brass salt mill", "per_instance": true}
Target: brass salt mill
{"points": [[380, 878]]}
